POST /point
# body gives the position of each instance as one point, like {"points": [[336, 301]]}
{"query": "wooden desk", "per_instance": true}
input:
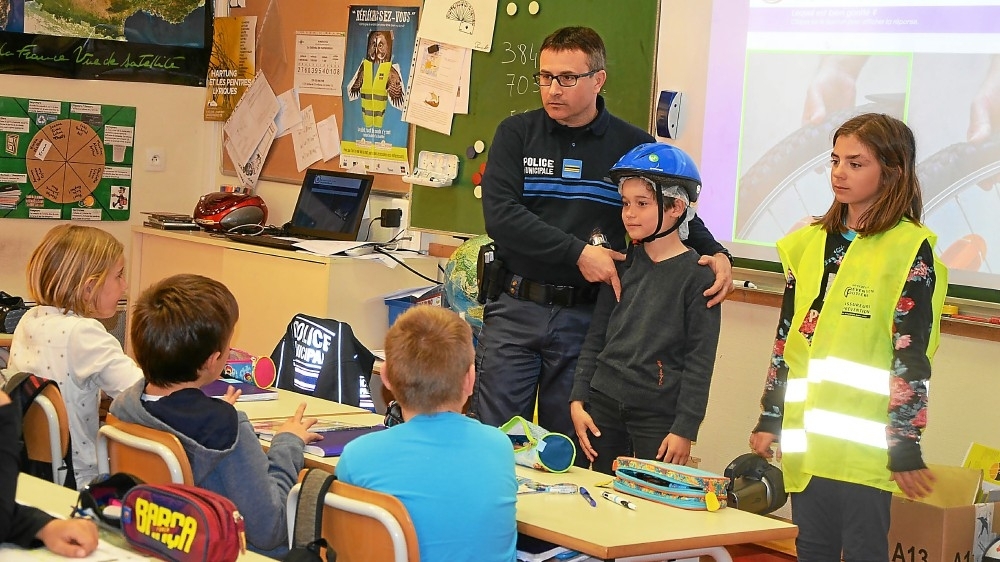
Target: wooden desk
{"points": [[284, 407], [56, 499], [611, 531], [5, 339], [273, 285]]}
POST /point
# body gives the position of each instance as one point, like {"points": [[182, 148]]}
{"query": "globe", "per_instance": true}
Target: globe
{"points": [[461, 281]]}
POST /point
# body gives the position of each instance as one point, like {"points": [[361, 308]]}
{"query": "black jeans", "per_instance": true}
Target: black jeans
{"points": [[625, 431], [834, 516]]}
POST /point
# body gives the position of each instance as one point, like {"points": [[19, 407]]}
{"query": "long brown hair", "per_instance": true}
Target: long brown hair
{"points": [[891, 142]]}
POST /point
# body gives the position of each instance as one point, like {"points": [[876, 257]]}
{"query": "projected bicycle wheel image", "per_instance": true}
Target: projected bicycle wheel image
{"points": [[787, 131], [790, 184], [961, 191]]}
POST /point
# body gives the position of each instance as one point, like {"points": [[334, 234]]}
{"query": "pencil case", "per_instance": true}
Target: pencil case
{"points": [[672, 484], [537, 448]]}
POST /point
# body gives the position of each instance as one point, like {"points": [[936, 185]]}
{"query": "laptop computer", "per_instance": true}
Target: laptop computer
{"points": [[331, 206]]}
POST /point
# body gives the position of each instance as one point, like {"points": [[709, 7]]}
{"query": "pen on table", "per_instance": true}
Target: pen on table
{"points": [[618, 500], [744, 284], [586, 495]]}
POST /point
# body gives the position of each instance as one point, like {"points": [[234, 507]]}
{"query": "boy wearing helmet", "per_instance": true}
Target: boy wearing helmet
{"points": [[642, 380]]}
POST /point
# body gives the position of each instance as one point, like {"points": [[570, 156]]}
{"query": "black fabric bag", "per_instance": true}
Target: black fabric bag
{"points": [[11, 310], [23, 388], [322, 358], [306, 540]]}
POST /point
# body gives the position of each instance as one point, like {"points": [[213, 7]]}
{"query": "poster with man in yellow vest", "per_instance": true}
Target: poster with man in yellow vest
{"points": [[380, 43]]}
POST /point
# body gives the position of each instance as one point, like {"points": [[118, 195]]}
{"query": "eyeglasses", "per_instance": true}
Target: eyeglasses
{"points": [[565, 80]]}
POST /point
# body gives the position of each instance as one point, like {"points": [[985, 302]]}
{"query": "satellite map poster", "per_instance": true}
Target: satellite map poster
{"points": [[163, 41], [65, 160]]}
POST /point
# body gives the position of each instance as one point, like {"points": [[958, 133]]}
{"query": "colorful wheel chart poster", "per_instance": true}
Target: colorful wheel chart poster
{"points": [[65, 160]]}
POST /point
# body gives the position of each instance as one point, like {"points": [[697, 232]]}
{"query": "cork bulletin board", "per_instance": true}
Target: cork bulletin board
{"points": [[277, 23]]}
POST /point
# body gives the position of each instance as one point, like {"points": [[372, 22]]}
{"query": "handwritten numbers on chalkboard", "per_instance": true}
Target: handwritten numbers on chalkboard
{"points": [[520, 84], [523, 55]]}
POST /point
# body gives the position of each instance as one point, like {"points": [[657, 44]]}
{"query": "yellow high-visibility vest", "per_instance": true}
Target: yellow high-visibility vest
{"points": [[837, 395], [373, 92]]}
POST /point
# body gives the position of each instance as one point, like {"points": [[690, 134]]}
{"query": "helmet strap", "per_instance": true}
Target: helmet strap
{"points": [[659, 220]]}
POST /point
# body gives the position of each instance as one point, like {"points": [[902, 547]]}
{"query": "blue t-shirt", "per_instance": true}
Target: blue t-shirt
{"points": [[454, 475]]}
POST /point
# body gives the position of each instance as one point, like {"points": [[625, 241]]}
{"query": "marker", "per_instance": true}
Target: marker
{"points": [[744, 284], [618, 500], [586, 495]]}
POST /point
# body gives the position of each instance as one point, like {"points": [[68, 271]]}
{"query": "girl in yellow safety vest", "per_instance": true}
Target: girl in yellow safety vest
{"points": [[846, 389]]}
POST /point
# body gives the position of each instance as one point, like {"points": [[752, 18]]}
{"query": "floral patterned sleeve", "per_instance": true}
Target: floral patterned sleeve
{"points": [[911, 369], [772, 403]]}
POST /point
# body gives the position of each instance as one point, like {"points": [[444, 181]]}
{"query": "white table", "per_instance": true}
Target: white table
{"points": [[287, 403], [56, 499], [652, 532]]}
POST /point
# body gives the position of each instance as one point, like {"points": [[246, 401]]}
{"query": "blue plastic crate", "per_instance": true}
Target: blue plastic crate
{"points": [[397, 307]]}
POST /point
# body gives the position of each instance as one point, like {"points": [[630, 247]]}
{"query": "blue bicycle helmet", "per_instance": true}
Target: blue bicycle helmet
{"points": [[666, 166], [662, 163]]}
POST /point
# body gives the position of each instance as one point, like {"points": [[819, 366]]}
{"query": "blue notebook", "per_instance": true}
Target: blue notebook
{"points": [[251, 392]]}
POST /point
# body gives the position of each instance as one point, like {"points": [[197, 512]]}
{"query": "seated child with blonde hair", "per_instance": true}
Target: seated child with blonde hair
{"points": [[77, 276]]}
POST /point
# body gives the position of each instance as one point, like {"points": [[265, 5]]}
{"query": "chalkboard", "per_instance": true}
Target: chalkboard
{"points": [[501, 85], [277, 23]]}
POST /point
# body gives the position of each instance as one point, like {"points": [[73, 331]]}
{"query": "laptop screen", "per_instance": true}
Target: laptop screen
{"points": [[331, 205]]}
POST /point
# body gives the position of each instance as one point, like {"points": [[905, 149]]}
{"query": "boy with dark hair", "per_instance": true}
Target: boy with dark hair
{"points": [[454, 475], [180, 332], [544, 197]]}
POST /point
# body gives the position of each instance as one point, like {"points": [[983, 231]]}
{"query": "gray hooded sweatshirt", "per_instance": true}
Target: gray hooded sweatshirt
{"points": [[257, 482]]}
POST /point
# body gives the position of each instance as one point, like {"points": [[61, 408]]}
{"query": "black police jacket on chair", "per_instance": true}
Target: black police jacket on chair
{"points": [[322, 357]]}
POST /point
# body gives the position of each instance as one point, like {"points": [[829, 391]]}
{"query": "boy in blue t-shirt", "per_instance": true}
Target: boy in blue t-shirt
{"points": [[454, 475]]}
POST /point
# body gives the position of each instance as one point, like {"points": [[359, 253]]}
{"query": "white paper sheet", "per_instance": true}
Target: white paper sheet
{"points": [[468, 23], [289, 114], [462, 101], [251, 118], [250, 171], [434, 84], [329, 137], [319, 62], [305, 140], [327, 247], [106, 552]]}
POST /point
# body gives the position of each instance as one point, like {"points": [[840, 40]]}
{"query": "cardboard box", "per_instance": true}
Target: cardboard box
{"points": [[947, 526]]}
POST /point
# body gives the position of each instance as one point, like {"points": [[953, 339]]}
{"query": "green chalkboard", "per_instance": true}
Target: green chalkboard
{"points": [[501, 85]]}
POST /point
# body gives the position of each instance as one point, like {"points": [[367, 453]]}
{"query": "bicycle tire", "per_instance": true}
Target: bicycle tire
{"points": [[796, 151]]}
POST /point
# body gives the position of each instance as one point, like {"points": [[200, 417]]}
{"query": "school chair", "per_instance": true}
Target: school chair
{"points": [[46, 431], [363, 525], [155, 456]]}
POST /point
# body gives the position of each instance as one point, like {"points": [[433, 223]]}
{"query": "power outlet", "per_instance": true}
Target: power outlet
{"points": [[155, 160]]}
